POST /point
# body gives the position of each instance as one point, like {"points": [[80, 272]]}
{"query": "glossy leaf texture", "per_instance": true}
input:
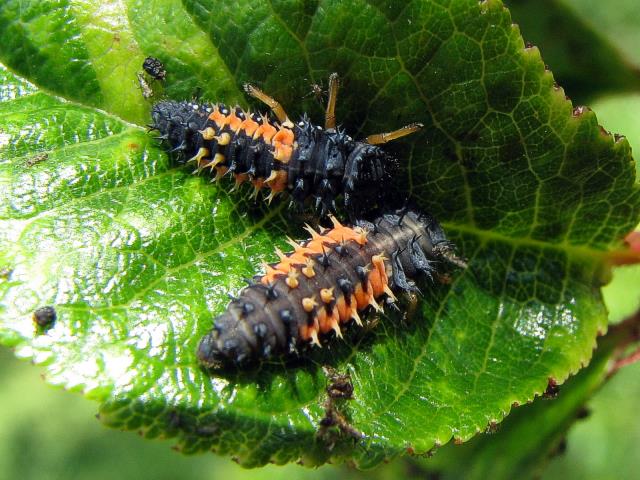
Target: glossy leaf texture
{"points": [[138, 256], [532, 435]]}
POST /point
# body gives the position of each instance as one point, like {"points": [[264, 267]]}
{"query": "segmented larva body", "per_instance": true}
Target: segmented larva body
{"points": [[303, 159], [323, 285]]}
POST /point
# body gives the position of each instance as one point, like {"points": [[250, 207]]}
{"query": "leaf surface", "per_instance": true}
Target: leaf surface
{"points": [[138, 256]]}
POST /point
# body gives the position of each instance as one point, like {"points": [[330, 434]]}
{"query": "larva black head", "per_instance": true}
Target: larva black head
{"points": [[179, 124], [242, 332], [215, 350], [421, 246], [328, 164]]}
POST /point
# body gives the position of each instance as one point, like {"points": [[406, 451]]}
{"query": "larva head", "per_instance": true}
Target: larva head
{"points": [[224, 344], [418, 246]]}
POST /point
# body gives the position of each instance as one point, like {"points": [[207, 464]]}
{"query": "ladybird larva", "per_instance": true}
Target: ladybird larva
{"points": [[303, 159], [324, 284]]}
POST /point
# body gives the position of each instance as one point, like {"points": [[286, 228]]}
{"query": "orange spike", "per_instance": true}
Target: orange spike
{"points": [[270, 197], [217, 159], [326, 295], [336, 223], [390, 294], [336, 327], [309, 303], [208, 133], [280, 255], [272, 176], [314, 235], [362, 235], [220, 171], [308, 270], [223, 139], [202, 152], [293, 243], [292, 279], [374, 304]]}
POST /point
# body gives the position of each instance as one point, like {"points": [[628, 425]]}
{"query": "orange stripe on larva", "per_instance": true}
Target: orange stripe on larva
{"points": [[308, 332], [249, 126], [218, 117], [329, 306], [378, 276], [279, 183], [234, 121], [266, 131], [283, 144], [328, 321], [344, 234], [363, 298]]}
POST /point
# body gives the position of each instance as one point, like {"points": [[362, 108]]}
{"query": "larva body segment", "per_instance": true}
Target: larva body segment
{"points": [[324, 284], [305, 160]]}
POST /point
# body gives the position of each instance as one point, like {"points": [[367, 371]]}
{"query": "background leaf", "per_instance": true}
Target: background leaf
{"points": [[589, 45], [138, 256]]}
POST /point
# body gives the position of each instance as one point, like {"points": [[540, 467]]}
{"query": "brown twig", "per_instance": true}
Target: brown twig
{"points": [[625, 334]]}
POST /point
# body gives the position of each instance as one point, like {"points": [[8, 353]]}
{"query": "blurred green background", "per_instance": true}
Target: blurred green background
{"points": [[591, 46]]}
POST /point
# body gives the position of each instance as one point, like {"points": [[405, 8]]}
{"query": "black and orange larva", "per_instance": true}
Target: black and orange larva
{"points": [[304, 159], [324, 283]]}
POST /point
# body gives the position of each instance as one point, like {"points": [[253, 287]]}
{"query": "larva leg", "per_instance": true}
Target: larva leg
{"points": [[330, 115], [372, 324], [273, 104], [412, 306], [380, 138]]}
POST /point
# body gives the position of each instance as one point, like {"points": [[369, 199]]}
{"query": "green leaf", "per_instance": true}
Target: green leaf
{"points": [[138, 256], [581, 42], [524, 442]]}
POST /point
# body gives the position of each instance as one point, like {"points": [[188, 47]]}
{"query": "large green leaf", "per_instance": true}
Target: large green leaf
{"points": [[585, 42], [138, 256]]}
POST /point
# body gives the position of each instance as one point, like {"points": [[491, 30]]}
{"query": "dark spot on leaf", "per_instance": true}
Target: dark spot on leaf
{"points": [[583, 413], [44, 317], [552, 390], [37, 158], [604, 132], [579, 110]]}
